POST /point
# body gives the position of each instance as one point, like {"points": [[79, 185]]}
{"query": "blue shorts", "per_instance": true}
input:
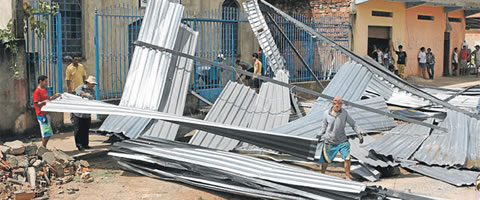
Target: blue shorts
{"points": [[45, 125], [330, 151]]}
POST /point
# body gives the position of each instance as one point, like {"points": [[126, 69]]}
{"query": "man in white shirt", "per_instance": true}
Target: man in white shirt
{"points": [[422, 61]]}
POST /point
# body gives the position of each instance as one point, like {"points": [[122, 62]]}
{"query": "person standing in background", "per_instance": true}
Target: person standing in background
{"points": [[463, 60], [454, 61], [430, 63], [422, 61], [75, 74], [402, 58]]}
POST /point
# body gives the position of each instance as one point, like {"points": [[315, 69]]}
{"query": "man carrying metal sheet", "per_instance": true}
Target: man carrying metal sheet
{"points": [[332, 134], [81, 122]]}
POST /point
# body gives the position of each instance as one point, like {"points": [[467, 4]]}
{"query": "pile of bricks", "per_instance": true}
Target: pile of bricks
{"points": [[28, 170]]}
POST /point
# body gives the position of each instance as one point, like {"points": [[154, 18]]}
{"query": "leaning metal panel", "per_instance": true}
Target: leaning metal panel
{"points": [[175, 100], [264, 36], [146, 78]]}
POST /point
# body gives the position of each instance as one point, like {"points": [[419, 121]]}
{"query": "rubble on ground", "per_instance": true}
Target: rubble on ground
{"points": [[27, 170]]}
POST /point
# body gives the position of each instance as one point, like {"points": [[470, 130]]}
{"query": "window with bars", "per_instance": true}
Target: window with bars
{"points": [[71, 12]]}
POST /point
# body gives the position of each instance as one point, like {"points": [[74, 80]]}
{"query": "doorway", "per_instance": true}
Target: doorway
{"points": [[378, 36]]}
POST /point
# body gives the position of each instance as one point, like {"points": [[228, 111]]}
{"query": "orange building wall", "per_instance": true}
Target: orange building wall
{"points": [[430, 34]]}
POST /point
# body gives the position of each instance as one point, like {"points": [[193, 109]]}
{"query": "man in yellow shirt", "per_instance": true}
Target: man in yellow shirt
{"points": [[75, 74], [257, 70]]}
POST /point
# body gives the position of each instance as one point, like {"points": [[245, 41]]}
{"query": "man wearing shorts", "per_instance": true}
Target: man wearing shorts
{"points": [[40, 98], [332, 134]]}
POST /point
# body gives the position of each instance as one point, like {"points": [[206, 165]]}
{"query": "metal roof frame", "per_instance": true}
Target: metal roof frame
{"points": [[292, 87], [373, 66]]}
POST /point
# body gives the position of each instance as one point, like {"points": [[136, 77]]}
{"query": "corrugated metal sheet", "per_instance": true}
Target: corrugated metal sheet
{"points": [[450, 175], [420, 115], [400, 142], [146, 80], [267, 110], [367, 157], [272, 108], [294, 145], [247, 166], [404, 99], [309, 125], [473, 153], [380, 87], [442, 148], [350, 82], [263, 35], [174, 103], [234, 106]]}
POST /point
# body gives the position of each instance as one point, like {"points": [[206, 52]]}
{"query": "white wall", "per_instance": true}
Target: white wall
{"points": [[6, 8]]}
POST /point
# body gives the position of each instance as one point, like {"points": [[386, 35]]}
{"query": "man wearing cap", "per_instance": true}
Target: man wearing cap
{"points": [[75, 74], [81, 122], [332, 134]]}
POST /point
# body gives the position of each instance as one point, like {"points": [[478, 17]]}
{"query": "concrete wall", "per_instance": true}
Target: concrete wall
{"points": [[430, 34], [364, 18], [6, 8], [17, 120]]}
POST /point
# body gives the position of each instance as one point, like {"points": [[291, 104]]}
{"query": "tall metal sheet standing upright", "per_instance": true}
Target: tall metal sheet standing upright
{"points": [[272, 108], [173, 100], [263, 35], [146, 78]]}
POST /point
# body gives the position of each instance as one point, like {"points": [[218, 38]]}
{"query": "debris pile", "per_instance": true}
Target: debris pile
{"points": [[28, 170]]}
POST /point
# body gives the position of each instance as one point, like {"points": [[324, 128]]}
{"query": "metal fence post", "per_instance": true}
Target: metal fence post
{"points": [[97, 67], [59, 54], [195, 64]]}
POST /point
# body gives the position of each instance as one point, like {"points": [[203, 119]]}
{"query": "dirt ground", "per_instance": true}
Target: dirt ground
{"points": [[114, 183]]}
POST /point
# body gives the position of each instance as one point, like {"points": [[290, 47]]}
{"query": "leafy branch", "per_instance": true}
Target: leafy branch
{"points": [[36, 16], [8, 39]]}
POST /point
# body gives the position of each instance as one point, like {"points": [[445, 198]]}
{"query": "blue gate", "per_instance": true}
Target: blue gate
{"points": [[117, 27], [44, 52]]}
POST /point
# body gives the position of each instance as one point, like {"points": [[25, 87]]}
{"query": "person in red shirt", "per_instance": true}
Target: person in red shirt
{"points": [[463, 61], [40, 98]]}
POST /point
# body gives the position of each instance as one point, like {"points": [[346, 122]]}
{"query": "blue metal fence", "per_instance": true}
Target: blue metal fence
{"points": [[44, 54], [117, 27], [323, 61]]}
